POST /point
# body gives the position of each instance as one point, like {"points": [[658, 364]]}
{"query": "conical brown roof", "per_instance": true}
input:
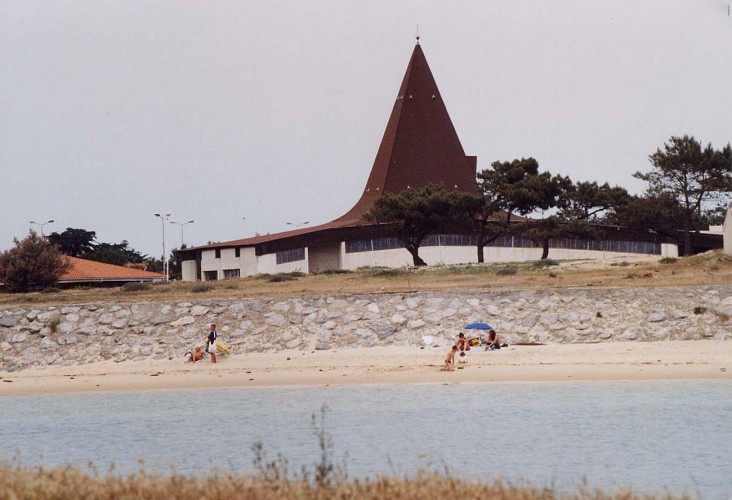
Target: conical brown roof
{"points": [[420, 145]]}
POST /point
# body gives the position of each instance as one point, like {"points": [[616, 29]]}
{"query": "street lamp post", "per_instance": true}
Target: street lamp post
{"points": [[298, 226], [41, 224], [163, 218], [181, 224]]}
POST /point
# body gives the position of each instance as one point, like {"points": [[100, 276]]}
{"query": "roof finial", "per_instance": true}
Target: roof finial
{"points": [[418, 34]]}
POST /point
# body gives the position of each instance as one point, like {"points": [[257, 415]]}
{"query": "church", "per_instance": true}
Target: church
{"points": [[420, 147]]}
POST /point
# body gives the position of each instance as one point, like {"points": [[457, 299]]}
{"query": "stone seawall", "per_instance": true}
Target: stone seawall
{"points": [[86, 333]]}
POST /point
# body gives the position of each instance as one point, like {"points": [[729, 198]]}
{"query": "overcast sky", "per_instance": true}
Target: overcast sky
{"points": [[247, 115]]}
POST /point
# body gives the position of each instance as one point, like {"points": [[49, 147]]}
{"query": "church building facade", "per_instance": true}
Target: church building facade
{"points": [[420, 147]]}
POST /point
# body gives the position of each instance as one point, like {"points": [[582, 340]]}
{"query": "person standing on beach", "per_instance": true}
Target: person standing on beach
{"points": [[462, 342], [211, 344]]}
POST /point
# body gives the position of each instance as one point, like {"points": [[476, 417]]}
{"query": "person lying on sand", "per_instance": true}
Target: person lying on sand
{"points": [[450, 360], [194, 356]]}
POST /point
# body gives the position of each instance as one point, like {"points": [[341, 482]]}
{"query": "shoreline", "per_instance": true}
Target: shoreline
{"points": [[613, 361]]}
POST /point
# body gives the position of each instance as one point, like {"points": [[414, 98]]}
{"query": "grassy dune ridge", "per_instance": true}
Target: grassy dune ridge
{"points": [[710, 268]]}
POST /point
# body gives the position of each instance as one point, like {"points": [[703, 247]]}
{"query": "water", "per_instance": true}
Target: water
{"points": [[647, 435]]}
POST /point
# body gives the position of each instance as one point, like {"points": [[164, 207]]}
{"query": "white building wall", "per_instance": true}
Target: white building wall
{"points": [[248, 261], [189, 270], [250, 264], [209, 262], [464, 255], [670, 250], [267, 264], [228, 261]]}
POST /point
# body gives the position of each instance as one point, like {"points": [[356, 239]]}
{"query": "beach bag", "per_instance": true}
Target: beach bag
{"points": [[475, 341]]}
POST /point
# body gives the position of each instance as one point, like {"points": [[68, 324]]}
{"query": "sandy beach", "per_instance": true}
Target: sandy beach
{"points": [[672, 360]]}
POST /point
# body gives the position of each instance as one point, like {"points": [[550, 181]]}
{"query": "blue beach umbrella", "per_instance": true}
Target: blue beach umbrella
{"points": [[478, 326]]}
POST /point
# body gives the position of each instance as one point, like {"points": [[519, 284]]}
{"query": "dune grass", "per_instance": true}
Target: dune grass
{"points": [[74, 483], [645, 271]]}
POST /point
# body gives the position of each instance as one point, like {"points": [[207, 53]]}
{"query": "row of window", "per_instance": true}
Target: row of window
{"points": [[293, 255], [296, 254], [464, 240], [237, 252], [228, 274]]}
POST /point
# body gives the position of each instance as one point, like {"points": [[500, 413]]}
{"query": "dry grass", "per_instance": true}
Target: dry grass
{"points": [[708, 269], [72, 482]]}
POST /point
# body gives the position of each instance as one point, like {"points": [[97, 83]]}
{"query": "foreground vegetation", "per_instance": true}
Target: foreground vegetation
{"points": [[72, 482], [646, 271]]}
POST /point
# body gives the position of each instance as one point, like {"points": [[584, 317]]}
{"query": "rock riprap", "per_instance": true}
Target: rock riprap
{"points": [[86, 333]]}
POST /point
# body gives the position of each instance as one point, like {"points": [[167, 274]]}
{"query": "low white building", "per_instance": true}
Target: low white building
{"points": [[324, 248]]}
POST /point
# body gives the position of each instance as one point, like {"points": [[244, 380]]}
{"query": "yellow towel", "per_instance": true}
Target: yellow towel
{"points": [[221, 347]]}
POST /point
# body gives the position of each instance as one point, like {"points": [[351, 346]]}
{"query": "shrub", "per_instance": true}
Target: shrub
{"points": [[507, 271], [32, 263], [333, 271], [279, 278], [201, 288], [53, 325], [135, 286], [624, 263], [668, 260], [540, 264]]}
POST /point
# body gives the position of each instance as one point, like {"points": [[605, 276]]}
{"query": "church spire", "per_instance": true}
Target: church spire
{"points": [[419, 146]]}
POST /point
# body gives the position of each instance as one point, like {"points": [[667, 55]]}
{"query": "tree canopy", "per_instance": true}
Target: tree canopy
{"points": [[415, 213], [693, 174], [81, 243], [115, 253], [513, 188], [32, 263], [73, 242]]}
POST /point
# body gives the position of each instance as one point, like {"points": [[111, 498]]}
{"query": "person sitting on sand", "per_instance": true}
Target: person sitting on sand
{"points": [[463, 358], [493, 341], [450, 360], [462, 342], [195, 356]]}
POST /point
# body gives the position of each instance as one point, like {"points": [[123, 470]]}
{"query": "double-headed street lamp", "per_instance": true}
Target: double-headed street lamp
{"points": [[163, 218], [41, 224], [298, 226], [181, 224]]}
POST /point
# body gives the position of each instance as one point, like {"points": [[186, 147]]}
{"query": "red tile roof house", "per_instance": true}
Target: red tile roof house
{"points": [[89, 272], [419, 147]]}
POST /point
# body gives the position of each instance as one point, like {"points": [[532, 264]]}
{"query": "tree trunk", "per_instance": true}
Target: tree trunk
{"points": [[418, 262], [689, 215], [481, 237], [687, 243], [545, 249]]}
